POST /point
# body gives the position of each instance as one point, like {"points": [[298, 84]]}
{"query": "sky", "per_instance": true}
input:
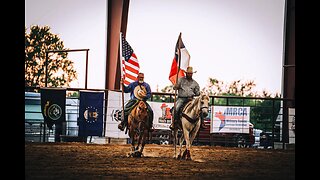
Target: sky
{"points": [[227, 39]]}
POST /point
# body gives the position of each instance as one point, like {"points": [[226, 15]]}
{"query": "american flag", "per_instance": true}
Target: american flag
{"points": [[184, 61], [130, 63]]}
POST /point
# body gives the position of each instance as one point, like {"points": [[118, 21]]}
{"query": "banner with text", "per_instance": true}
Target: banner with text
{"points": [[161, 111], [230, 119], [161, 114]]}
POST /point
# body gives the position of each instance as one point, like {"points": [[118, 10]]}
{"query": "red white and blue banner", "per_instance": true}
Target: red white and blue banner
{"points": [[53, 105], [230, 119], [91, 113]]}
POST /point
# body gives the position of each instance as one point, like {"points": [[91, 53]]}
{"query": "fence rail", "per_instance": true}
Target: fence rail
{"points": [[267, 115]]}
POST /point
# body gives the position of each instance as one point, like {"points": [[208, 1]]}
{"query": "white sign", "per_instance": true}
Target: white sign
{"points": [[230, 119], [161, 114], [292, 124], [114, 106]]}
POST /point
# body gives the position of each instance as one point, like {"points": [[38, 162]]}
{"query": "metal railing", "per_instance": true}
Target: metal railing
{"points": [[267, 115]]}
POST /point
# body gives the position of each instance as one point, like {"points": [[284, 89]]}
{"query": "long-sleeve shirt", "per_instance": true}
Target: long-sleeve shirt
{"points": [[187, 88], [131, 86]]}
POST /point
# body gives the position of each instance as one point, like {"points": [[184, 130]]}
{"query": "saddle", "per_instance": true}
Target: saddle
{"points": [[180, 112]]}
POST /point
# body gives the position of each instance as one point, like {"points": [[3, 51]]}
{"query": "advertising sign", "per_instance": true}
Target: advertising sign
{"points": [[162, 115], [230, 119]]}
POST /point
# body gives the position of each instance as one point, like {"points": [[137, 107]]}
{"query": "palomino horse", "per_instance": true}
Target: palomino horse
{"points": [[190, 124], [138, 130]]}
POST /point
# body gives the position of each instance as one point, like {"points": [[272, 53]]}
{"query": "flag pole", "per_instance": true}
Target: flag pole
{"points": [[179, 63], [122, 80]]}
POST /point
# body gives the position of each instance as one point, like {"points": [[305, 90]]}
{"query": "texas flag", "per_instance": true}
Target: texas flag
{"points": [[180, 61]]}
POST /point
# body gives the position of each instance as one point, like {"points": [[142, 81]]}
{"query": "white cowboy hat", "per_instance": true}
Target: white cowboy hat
{"points": [[140, 92]]}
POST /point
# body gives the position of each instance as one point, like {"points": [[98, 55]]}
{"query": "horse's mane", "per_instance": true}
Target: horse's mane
{"points": [[193, 104], [135, 112]]}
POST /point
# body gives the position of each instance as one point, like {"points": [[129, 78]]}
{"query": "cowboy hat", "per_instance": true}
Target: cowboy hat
{"points": [[190, 70], [140, 92]]}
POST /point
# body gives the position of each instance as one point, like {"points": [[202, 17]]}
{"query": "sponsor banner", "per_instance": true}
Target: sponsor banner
{"points": [[162, 115], [230, 119], [91, 113], [114, 113], [161, 111]]}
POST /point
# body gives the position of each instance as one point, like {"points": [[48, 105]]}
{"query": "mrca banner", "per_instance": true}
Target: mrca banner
{"points": [[53, 105], [230, 119], [91, 113]]}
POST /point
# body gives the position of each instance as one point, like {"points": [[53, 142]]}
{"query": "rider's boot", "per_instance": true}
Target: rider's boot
{"points": [[123, 123], [174, 121]]}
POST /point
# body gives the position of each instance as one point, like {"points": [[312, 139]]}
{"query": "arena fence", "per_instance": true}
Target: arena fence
{"points": [[271, 124]]}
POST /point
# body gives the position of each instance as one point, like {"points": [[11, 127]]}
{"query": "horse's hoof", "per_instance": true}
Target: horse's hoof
{"points": [[137, 154], [179, 157]]}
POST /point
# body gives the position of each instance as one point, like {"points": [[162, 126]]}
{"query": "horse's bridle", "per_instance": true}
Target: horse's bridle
{"points": [[199, 115], [202, 107]]}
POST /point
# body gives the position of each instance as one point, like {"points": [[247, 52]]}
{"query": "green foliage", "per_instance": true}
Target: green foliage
{"points": [[164, 98], [60, 68], [74, 94], [235, 88], [265, 113]]}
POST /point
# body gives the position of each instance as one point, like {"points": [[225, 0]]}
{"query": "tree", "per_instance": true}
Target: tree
{"points": [[235, 88], [164, 98], [60, 69]]}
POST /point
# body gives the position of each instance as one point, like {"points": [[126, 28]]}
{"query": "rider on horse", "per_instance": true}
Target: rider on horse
{"points": [[187, 89], [139, 90]]}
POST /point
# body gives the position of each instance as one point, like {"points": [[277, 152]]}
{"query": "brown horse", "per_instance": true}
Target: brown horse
{"points": [[190, 124], [138, 130]]}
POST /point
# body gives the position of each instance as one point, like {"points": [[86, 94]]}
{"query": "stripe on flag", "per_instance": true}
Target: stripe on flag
{"points": [[130, 63]]}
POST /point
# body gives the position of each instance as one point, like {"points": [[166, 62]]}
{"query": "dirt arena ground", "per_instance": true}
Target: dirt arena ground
{"points": [[110, 161]]}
